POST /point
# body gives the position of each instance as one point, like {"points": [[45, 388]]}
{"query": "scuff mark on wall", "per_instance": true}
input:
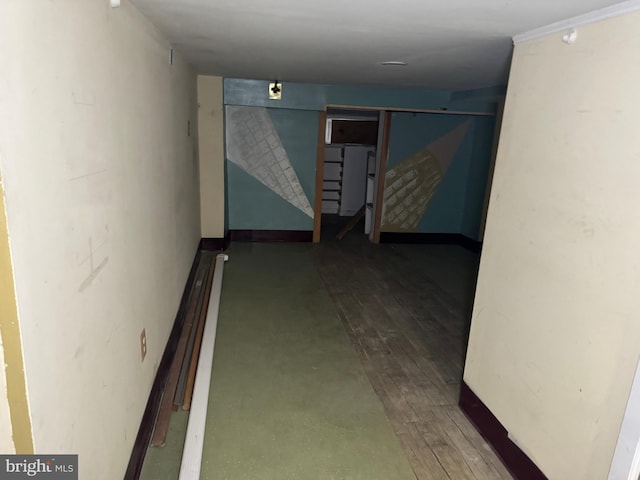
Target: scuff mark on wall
{"points": [[83, 97], [86, 175], [254, 145], [92, 276], [94, 271]]}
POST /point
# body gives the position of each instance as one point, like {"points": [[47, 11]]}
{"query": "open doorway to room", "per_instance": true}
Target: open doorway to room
{"points": [[350, 153]]}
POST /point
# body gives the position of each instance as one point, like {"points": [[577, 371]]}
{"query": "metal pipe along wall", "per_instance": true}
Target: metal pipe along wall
{"points": [[192, 453]]}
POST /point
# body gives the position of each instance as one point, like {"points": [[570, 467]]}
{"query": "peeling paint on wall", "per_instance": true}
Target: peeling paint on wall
{"points": [[254, 145]]}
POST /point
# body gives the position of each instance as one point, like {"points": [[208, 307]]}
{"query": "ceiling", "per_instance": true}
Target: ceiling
{"points": [[453, 44]]}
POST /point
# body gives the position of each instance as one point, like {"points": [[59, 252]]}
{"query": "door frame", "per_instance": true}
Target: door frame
{"points": [[382, 149], [381, 170], [317, 201]]}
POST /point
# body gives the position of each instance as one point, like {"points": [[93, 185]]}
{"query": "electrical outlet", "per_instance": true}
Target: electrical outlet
{"points": [[143, 345]]}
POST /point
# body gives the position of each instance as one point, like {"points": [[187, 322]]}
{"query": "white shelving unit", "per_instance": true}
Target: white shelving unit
{"points": [[349, 180], [332, 180]]}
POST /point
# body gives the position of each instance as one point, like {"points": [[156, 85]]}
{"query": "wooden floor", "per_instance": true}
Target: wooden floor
{"points": [[406, 309]]}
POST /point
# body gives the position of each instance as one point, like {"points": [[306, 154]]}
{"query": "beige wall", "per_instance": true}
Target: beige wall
{"points": [[15, 419], [102, 203], [554, 336], [211, 153]]}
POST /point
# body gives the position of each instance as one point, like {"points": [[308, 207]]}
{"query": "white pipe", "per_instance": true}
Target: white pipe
{"points": [[194, 441]]}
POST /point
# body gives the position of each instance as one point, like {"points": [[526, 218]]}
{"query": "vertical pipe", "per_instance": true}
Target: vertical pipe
{"points": [[194, 441]]}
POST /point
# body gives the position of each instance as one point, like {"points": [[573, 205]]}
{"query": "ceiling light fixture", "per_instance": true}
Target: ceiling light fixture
{"points": [[394, 63]]}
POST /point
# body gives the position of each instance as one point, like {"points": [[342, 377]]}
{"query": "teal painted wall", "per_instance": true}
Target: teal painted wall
{"points": [[307, 96], [456, 206], [446, 210], [299, 134], [478, 175], [252, 205]]}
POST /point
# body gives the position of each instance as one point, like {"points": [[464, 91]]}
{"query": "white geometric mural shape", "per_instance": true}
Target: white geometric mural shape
{"points": [[254, 145]]}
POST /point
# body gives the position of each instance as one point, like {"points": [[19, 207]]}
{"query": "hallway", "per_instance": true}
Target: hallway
{"points": [[289, 398], [406, 309]]}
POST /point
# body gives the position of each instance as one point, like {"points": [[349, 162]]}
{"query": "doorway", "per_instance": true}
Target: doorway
{"points": [[349, 173]]}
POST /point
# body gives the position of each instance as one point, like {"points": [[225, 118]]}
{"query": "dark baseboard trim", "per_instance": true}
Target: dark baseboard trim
{"points": [[271, 235], [516, 461], [215, 244], [155, 396], [431, 238]]}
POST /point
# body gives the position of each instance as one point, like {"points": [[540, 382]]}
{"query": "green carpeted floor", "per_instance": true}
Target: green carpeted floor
{"points": [[289, 398]]}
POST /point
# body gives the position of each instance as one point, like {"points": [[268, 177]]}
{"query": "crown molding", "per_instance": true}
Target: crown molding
{"points": [[591, 17]]}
